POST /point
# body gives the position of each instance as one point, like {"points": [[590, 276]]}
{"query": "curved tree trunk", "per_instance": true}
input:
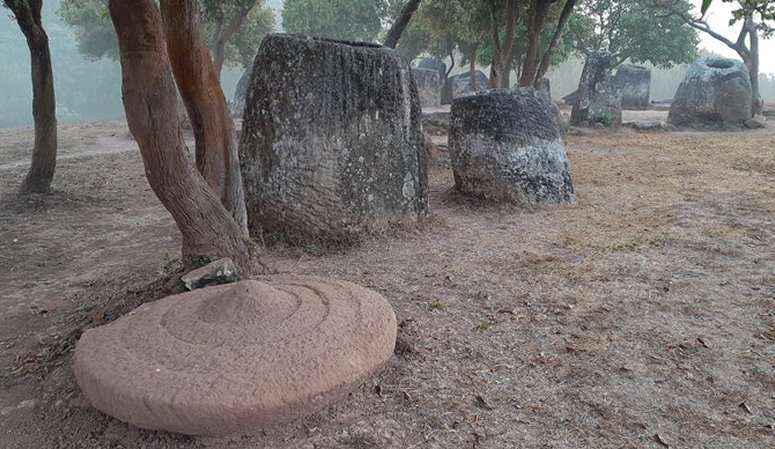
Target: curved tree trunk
{"points": [[538, 11], [394, 35], [149, 101], [197, 79], [752, 62], [546, 59], [28, 17]]}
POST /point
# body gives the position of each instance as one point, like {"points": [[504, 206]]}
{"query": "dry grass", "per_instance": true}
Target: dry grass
{"points": [[647, 308]]}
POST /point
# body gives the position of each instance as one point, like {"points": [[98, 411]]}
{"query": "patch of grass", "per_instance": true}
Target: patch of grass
{"points": [[310, 249], [481, 327], [169, 264], [194, 262], [632, 245], [606, 119], [437, 305]]}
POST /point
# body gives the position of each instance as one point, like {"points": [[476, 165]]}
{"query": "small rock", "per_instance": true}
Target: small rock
{"points": [[757, 122], [769, 112], [221, 271]]}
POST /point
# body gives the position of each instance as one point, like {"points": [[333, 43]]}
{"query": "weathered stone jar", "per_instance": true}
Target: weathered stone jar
{"points": [[634, 84], [599, 100], [506, 145], [714, 91], [428, 87], [331, 145]]}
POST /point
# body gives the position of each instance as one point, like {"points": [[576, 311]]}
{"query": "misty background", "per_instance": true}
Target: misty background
{"points": [[91, 90]]}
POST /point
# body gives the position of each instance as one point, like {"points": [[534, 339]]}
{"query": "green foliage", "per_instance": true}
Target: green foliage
{"points": [[96, 38], [310, 249], [605, 119], [355, 20], [631, 31], [194, 262], [169, 264], [243, 46], [481, 327], [437, 305]]}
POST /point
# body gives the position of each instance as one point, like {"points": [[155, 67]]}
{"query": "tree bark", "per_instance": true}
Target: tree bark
{"points": [[474, 51], [394, 35], [538, 11], [216, 150], [502, 52], [546, 59], [149, 101], [757, 104], [28, 17]]}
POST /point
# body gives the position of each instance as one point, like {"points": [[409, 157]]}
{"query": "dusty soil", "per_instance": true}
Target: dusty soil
{"points": [[642, 316]]}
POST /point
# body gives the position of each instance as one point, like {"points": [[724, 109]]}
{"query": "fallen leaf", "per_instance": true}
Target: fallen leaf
{"points": [[702, 342], [745, 407], [658, 438], [379, 389]]}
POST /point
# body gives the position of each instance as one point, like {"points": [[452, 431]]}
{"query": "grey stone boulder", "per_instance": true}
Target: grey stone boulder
{"points": [[237, 104], [222, 271], [428, 83], [461, 85], [331, 146], [634, 84], [598, 99], [715, 90], [756, 122], [506, 145]]}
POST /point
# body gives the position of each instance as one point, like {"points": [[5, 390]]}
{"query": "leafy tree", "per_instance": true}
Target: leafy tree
{"points": [[630, 30], [232, 29], [400, 24], [755, 18], [357, 20], [28, 15]]}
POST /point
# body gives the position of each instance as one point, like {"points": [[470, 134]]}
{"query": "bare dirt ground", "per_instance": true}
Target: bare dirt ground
{"points": [[643, 316]]}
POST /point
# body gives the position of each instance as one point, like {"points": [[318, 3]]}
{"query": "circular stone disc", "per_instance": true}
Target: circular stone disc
{"points": [[236, 357]]}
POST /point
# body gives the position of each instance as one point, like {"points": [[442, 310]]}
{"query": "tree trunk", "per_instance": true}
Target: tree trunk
{"points": [[546, 59], [474, 51], [28, 17], [223, 36], [502, 51], [219, 56], [507, 49], [538, 11], [216, 150], [752, 62], [149, 101], [401, 22]]}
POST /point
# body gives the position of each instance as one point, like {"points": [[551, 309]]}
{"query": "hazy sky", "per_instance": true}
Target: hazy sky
{"points": [[718, 19]]}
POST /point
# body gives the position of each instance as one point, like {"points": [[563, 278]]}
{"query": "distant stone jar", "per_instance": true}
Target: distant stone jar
{"points": [[428, 87], [461, 85], [714, 91], [598, 98], [634, 84], [506, 145], [331, 144]]}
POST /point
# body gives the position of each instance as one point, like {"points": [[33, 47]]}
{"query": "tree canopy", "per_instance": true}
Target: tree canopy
{"points": [[97, 39], [631, 30], [356, 20]]}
